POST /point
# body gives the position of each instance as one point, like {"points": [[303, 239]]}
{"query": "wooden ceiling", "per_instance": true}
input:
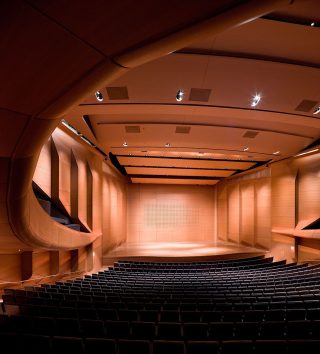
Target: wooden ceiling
{"points": [[214, 132]]}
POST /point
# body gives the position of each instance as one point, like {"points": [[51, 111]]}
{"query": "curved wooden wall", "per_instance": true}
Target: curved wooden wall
{"points": [[51, 60]]}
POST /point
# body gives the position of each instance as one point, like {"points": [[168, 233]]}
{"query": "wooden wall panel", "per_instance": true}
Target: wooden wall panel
{"points": [[247, 216], [114, 209], [283, 196], [170, 213], [74, 260], [64, 262], [42, 174], [97, 256], [243, 209], [222, 213], [282, 247], [75, 179], [309, 187], [64, 154], [93, 191], [263, 213], [54, 262], [308, 254], [26, 265], [10, 267], [295, 199], [9, 244], [96, 198], [233, 213], [41, 263], [82, 259], [74, 186], [82, 187]]}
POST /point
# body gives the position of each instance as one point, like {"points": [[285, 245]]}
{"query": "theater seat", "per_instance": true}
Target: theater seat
{"points": [[99, 345], [168, 347], [202, 347]]}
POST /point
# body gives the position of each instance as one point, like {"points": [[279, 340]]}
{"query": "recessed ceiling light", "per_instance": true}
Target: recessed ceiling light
{"points": [[125, 144], [317, 110], [246, 148], [312, 24], [255, 100], [276, 152], [167, 145], [306, 152], [179, 95], [99, 96]]}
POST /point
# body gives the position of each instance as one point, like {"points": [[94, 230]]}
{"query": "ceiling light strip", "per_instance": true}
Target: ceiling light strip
{"points": [[306, 152], [81, 136]]}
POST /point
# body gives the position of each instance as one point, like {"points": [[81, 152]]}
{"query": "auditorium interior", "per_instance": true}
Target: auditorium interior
{"points": [[160, 176]]}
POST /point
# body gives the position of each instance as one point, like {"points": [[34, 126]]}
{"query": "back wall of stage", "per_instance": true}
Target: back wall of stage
{"points": [[170, 213]]}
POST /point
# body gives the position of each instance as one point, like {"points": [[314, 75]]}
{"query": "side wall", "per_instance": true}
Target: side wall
{"points": [[269, 208], [91, 191], [295, 204], [244, 205], [170, 213]]}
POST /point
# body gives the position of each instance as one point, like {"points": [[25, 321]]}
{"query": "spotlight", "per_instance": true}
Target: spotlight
{"points": [[99, 96], [312, 24], [317, 110], [125, 144], [255, 100], [180, 95]]}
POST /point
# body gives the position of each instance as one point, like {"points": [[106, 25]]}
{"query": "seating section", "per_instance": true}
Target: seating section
{"points": [[251, 305]]}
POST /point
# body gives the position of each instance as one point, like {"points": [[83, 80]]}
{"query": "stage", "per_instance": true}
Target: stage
{"points": [[180, 251]]}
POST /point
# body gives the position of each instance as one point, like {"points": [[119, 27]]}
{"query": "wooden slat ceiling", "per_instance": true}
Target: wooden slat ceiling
{"points": [[214, 133]]}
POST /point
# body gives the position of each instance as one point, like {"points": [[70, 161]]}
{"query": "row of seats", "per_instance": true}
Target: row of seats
{"points": [[172, 315], [190, 267], [303, 329], [242, 302], [203, 290], [38, 344]]}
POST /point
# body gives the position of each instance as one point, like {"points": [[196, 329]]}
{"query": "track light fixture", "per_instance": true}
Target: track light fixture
{"points": [[179, 95], [317, 110], [99, 96], [255, 100]]}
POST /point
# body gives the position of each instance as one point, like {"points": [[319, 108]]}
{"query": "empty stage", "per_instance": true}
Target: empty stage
{"points": [[180, 251]]}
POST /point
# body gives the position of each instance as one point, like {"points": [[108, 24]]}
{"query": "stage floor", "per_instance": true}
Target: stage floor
{"points": [[180, 251]]}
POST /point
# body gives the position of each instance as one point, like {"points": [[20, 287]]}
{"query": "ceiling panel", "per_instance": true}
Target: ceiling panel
{"points": [[219, 128], [172, 181], [184, 163], [177, 172], [231, 139], [114, 26], [191, 154], [281, 40], [294, 123], [282, 86]]}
